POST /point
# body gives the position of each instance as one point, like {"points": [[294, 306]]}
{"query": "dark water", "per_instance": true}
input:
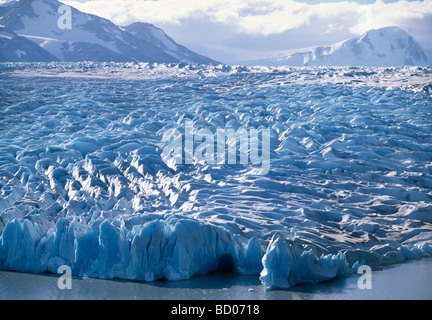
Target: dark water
{"points": [[412, 280]]}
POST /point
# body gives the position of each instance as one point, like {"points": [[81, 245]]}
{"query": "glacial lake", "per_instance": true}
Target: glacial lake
{"points": [[407, 281]]}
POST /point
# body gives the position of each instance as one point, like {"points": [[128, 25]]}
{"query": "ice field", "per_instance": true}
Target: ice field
{"points": [[83, 181]]}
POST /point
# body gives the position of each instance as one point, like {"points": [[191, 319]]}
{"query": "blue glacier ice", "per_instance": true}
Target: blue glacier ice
{"points": [[173, 249], [83, 181]]}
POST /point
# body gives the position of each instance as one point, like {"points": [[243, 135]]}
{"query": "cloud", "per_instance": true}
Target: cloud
{"points": [[218, 26], [255, 16]]}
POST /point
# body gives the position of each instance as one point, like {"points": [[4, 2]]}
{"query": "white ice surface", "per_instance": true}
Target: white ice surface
{"points": [[83, 183]]}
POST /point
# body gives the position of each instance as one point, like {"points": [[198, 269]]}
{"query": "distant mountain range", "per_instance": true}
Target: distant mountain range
{"points": [[29, 31], [390, 46], [90, 38]]}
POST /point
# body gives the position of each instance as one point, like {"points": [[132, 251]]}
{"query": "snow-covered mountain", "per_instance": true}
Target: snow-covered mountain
{"points": [[148, 33], [90, 37], [390, 46], [14, 48]]}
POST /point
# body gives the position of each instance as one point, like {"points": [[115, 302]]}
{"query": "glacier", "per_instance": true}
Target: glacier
{"points": [[83, 182]]}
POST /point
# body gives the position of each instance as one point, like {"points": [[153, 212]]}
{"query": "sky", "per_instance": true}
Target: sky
{"points": [[239, 30]]}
